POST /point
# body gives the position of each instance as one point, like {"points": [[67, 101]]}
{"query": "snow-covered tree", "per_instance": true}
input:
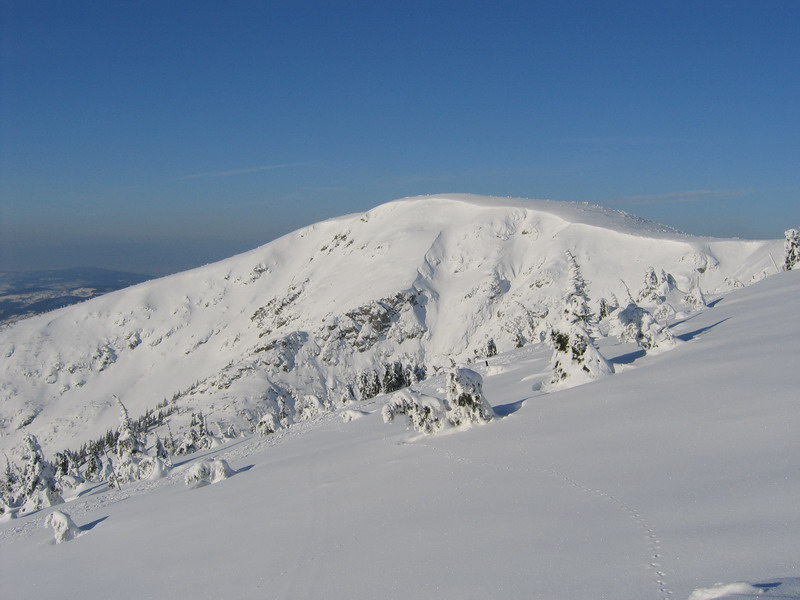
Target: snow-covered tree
{"points": [[423, 413], [187, 443], [695, 299], [267, 424], [575, 302], [9, 486], [169, 442], [603, 309], [64, 528], [465, 401], [39, 487], [160, 451], [208, 471], [204, 436], [792, 247], [128, 441], [636, 324], [94, 467], [66, 475], [369, 384], [575, 356], [130, 448], [650, 290]]}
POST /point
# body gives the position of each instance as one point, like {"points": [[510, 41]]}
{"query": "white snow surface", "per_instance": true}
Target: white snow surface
{"points": [[426, 281], [679, 471]]}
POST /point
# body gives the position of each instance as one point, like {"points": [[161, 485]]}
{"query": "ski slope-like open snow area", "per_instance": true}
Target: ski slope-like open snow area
{"points": [[318, 318], [680, 471]]}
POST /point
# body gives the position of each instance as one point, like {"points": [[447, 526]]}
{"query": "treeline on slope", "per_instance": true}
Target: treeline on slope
{"points": [[122, 455]]}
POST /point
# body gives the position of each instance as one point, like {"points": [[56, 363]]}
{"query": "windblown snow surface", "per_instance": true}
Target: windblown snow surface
{"points": [[680, 471]]}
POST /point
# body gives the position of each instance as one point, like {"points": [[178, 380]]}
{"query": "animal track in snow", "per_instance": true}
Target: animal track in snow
{"points": [[652, 540]]}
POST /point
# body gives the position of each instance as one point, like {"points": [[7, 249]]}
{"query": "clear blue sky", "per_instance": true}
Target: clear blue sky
{"points": [[156, 136]]}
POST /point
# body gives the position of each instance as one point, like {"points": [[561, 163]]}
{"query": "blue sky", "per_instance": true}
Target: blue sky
{"points": [[157, 136]]}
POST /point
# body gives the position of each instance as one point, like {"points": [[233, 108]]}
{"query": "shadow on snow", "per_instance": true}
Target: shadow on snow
{"points": [[93, 524], [503, 410], [685, 337]]}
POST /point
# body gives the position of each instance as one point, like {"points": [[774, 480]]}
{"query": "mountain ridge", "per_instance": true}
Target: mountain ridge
{"points": [[325, 314]]}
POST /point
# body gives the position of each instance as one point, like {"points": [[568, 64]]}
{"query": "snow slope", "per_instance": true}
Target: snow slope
{"points": [[678, 472], [304, 321]]}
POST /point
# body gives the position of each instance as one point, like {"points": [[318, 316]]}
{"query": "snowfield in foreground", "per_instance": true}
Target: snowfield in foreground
{"points": [[679, 472]]}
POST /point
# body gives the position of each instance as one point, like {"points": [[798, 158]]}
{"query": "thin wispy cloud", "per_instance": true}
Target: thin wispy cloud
{"points": [[232, 172], [679, 197], [624, 141]]}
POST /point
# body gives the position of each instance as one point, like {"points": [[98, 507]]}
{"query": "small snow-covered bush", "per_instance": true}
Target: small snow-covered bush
{"points": [[63, 526], [635, 324], [153, 467], [309, 406], [575, 358], [208, 471], [351, 415], [267, 424], [423, 413], [464, 405], [465, 401], [664, 311], [695, 299]]}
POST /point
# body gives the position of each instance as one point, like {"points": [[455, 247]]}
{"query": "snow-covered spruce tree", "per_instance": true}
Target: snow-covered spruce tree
{"points": [[650, 290], [161, 454], [465, 401], [39, 488], [93, 467], [160, 450], [369, 384], [129, 449], [575, 302], [66, 474], [636, 324], [603, 309], [9, 487], [575, 357], [792, 247], [204, 437]]}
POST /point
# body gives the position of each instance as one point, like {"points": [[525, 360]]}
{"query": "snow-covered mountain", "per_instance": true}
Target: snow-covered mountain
{"points": [[677, 472], [339, 310]]}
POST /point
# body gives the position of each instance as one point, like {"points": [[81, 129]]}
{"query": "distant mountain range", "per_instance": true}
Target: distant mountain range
{"points": [[27, 293]]}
